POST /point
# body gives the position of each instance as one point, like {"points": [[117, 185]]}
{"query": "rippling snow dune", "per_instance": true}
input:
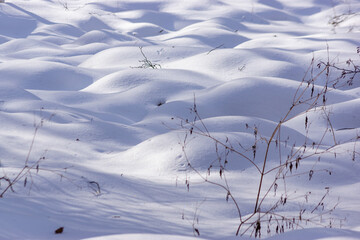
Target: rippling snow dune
{"points": [[99, 90]]}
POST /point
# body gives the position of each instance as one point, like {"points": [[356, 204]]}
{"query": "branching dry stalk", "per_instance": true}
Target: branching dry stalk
{"points": [[64, 4], [309, 97], [338, 19], [26, 172], [146, 63]]}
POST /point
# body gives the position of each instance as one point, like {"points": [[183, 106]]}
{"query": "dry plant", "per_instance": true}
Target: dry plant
{"points": [[25, 174], [64, 4], [337, 19], [194, 221], [270, 213], [146, 63]]}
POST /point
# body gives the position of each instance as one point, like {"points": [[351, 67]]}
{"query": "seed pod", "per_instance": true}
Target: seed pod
{"points": [[311, 174], [59, 230]]}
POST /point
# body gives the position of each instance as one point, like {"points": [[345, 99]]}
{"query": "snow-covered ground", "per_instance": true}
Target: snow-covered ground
{"points": [[103, 133]]}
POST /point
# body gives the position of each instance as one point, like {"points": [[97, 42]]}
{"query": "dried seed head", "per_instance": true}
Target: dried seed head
{"points": [[311, 173], [59, 230]]}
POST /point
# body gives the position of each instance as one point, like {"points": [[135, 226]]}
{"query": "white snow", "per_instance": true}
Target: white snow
{"points": [[107, 129]]}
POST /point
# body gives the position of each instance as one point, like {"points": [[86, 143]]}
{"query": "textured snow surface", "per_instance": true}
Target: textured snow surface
{"points": [[74, 90]]}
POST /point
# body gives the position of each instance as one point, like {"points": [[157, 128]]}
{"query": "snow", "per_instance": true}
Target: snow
{"points": [[107, 131]]}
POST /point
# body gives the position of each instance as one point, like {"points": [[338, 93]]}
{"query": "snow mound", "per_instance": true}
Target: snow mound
{"points": [[106, 103]]}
